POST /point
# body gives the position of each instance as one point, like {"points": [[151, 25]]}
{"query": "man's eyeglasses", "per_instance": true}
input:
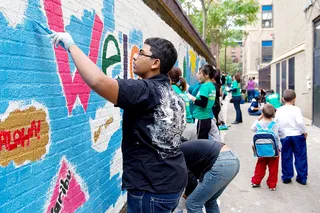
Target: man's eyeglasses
{"points": [[142, 54]]}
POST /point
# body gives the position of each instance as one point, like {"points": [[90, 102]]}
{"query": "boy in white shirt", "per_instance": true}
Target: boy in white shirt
{"points": [[294, 144]]}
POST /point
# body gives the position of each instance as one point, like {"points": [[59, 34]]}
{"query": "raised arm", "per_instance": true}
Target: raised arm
{"points": [[105, 86]]}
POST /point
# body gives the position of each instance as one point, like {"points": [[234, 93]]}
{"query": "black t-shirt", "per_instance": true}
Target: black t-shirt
{"points": [[200, 156], [153, 122]]}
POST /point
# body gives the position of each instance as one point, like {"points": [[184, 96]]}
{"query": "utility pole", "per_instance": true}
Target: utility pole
{"points": [[225, 59]]}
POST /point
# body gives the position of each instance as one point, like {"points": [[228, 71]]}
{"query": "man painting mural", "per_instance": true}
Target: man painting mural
{"points": [[154, 170]]}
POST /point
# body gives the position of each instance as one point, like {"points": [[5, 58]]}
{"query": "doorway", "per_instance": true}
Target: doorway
{"points": [[316, 74]]}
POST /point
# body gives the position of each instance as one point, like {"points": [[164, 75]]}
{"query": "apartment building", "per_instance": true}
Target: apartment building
{"points": [[258, 42], [296, 53]]}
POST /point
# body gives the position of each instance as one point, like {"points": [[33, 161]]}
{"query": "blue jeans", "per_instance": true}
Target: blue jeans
{"points": [[294, 146], [250, 95], [236, 103], [139, 201], [215, 181]]}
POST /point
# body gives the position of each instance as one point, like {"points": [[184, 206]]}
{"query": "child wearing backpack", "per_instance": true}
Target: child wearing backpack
{"points": [[266, 147], [291, 120]]}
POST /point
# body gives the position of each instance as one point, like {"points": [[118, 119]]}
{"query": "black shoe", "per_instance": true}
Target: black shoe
{"points": [[240, 121], [235, 122], [302, 183], [286, 181]]}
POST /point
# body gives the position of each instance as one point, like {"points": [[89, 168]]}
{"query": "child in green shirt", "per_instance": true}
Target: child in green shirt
{"points": [[204, 101]]}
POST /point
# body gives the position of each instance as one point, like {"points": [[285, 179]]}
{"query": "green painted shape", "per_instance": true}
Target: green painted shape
{"points": [[107, 62]]}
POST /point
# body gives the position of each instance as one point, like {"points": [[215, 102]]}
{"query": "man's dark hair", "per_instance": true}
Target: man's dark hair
{"points": [[253, 78], [165, 51], [208, 70], [289, 95], [268, 111]]}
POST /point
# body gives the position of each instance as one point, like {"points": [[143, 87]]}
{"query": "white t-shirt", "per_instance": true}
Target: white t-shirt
{"points": [[290, 120]]}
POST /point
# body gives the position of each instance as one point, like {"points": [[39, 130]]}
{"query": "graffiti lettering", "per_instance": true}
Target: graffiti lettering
{"points": [[19, 137], [107, 62], [63, 189], [72, 87]]}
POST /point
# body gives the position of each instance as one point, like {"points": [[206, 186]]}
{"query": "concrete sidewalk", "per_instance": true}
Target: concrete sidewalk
{"points": [[288, 198]]}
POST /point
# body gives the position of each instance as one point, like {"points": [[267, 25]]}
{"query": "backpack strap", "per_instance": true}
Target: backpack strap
{"points": [[259, 127], [271, 125]]}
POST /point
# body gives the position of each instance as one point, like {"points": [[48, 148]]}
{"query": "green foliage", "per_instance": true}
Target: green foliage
{"points": [[225, 20]]}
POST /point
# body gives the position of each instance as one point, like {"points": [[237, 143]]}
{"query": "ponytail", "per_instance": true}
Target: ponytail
{"points": [[176, 78], [183, 84]]}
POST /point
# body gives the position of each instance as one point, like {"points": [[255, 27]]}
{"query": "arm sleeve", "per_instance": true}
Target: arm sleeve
{"points": [[202, 102], [192, 184], [281, 132], [133, 93], [300, 122], [254, 126]]}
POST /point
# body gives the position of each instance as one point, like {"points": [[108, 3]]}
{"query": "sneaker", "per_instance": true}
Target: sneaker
{"points": [[286, 181], [255, 185], [272, 189], [223, 127], [301, 182], [235, 122]]}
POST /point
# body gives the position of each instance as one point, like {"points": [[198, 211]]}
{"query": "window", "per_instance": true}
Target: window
{"points": [[284, 75], [291, 73], [278, 78], [266, 18], [266, 51]]}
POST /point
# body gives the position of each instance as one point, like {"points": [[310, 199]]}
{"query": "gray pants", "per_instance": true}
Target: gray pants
{"points": [[190, 132], [214, 133]]}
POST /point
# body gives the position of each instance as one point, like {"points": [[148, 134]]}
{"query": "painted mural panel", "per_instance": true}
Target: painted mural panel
{"points": [[24, 134], [58, 138]]}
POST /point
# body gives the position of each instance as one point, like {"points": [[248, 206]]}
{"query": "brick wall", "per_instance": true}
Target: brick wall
{"points": [[59, 141]]}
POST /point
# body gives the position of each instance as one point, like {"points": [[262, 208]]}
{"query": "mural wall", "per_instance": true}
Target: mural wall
{"points": [[59, 141]]}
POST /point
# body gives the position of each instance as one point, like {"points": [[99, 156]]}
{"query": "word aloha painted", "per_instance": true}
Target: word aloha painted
{"points": [[63, 189], [19, 137]]}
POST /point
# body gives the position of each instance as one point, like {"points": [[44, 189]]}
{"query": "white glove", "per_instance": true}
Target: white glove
{"points": [[182, 204], [191, 98], [64, 39]]}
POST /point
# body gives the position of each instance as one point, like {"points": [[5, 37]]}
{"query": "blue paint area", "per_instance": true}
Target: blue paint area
{"points": [[136, 38], [120, 39], [28, 72], [81, 31]]}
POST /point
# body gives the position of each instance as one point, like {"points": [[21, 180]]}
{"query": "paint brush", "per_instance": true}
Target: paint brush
{"points": [[47, 30]]}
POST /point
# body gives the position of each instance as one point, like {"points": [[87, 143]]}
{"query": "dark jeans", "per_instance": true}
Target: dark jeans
{"points": [[139, 201], [236, 104]]}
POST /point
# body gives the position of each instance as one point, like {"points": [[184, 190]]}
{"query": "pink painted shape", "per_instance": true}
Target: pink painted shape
{"points": [[74, 197], [76, 86]]}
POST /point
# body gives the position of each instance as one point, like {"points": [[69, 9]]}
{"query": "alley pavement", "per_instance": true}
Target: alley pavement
{"points": [[288, 198]]}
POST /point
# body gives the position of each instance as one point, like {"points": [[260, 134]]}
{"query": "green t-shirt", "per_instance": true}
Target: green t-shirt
{"points": [[274, 100], [207, 90], [236, 85], [229, 80], [184, 96]]}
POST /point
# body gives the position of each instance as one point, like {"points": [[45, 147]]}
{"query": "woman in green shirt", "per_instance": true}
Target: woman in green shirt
{"points": [[179, 85], [204, 101], [236, 97]]}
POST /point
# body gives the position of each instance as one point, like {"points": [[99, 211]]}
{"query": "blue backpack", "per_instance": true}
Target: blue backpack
{"points": [[265, 142]]}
